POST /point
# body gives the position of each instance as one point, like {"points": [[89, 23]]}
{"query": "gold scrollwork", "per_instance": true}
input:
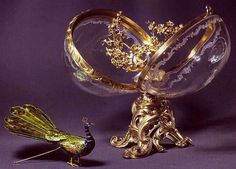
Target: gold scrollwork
{"points": [[152, 121]]}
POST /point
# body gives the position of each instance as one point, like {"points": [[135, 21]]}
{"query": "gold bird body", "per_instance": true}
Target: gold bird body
{"points": [[29, 121]]}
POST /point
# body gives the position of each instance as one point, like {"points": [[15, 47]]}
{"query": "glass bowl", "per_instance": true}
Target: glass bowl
{"points": [[86, 58], [189, 60]]}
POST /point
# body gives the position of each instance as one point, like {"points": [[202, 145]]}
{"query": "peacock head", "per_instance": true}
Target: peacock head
{"points": [[87, 123]]}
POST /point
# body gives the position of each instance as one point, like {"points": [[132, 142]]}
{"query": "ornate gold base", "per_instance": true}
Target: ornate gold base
{"points": [[152, 121]]}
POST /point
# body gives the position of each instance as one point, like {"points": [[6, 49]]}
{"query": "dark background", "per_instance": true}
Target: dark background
{"points": [[32, 71]]}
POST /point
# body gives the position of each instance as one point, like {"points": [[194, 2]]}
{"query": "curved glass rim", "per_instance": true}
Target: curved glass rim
{"points": [[81, 62]]}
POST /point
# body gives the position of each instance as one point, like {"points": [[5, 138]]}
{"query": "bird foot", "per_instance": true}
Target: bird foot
{"points": [[73, 164]]}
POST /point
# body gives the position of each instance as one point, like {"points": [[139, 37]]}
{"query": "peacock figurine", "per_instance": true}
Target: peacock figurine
{"points": [[29, 121]]}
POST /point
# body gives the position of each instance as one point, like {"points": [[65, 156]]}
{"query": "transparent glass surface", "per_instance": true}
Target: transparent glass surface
{"points": [[88, 37], [188, 70]]}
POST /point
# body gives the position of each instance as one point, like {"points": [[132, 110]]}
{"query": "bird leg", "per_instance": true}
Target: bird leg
{"points": [[74, 161]]}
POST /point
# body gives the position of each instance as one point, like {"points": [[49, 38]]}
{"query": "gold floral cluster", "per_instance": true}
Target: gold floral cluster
{"points": [[134, 57]]}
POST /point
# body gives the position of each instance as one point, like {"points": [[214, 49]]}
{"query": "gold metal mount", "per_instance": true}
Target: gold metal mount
{"points": [[152, 121]]}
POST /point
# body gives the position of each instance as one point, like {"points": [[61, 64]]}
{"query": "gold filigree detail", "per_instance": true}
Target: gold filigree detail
{"points": [[152, 121], [134, 57]]}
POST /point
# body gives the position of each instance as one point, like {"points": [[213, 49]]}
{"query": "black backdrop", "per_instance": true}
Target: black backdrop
{"points": [[32, 71]]}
